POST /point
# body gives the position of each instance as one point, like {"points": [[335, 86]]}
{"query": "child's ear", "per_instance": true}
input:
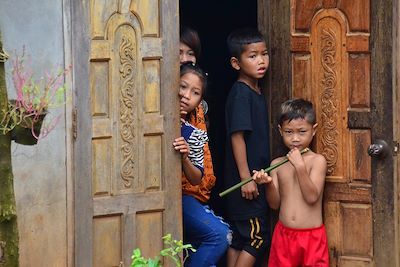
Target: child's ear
{"points": [[280, 129], [314, 128], [235, 63]]}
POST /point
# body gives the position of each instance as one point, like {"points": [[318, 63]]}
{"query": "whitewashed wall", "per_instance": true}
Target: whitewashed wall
{"points": [[40, 172]]}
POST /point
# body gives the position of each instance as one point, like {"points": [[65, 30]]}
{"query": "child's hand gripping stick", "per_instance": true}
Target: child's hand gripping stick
{"points": [[267, 170]]}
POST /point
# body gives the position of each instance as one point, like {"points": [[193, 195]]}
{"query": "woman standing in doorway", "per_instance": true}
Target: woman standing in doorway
{"points": [[208, 233]]}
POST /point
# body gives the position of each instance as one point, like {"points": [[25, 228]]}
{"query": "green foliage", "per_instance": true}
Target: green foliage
{"points": [[173, 250], [139, 261]]}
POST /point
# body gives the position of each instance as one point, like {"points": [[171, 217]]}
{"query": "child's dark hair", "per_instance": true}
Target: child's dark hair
{"points": [[191, 38], [239, 38], [297, 108], [190, 67]]}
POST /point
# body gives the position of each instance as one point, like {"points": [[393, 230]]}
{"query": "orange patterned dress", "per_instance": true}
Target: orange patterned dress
{"points": [[202, 191]]}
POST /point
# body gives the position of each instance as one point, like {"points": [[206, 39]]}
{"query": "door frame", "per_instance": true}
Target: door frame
{"points": [[82, 131], [274, 22], [384, 189], [396, 122]]}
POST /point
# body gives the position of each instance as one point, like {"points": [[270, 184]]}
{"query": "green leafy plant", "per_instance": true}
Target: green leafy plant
{"points": [[173, 249]]}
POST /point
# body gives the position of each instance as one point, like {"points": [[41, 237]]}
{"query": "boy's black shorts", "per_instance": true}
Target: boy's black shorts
{"points": [[251, 235]]}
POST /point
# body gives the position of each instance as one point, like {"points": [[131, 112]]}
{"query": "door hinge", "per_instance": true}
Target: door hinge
{"points": [[396, 148], [75, 123]]}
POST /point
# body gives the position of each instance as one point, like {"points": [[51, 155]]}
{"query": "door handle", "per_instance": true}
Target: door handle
{"points": [[380, 149]]}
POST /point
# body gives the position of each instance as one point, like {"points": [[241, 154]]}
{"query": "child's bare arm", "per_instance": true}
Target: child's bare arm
{"points": [[311, 184], [249, 190], [272, 192], [192, 173]]}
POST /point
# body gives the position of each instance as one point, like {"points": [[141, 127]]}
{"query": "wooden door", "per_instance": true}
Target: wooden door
{"points": [[332, 53], [127, 176]]}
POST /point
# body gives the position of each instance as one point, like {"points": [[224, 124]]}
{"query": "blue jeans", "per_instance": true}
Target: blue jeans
{"points": [[209, 234]]}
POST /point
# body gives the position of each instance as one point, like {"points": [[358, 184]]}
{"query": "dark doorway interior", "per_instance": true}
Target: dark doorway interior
{"points": [[214, 20]]}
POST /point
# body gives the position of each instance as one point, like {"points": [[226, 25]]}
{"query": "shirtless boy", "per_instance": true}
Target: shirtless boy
{"points": [[296, 188]]}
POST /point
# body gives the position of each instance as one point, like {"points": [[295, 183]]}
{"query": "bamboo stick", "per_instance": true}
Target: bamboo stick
{"points": [[267, 170]]}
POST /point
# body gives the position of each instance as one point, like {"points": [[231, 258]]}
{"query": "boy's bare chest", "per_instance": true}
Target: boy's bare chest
{"points": [[287, 178]]}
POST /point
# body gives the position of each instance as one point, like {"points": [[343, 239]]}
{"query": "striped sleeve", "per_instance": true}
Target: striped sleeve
{"points": [[196, 140]]}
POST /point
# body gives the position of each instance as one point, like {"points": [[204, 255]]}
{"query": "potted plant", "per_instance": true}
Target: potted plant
{"points": [[24, 116]]}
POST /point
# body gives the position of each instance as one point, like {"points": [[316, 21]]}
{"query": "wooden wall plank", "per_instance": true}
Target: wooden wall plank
{"points": [[383, 193]]}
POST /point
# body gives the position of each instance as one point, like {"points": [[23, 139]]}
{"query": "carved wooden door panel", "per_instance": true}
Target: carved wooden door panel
{"points": [[129, 195], [342, 58], [331, 66]]}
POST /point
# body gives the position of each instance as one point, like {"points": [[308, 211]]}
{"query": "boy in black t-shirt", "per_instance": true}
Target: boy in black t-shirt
{"points": [[247, 148]]}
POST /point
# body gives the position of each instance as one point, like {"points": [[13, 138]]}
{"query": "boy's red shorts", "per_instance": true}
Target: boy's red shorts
{"points": [[298, 247]]}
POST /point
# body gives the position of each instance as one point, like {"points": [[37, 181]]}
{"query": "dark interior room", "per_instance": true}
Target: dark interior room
{"points": [[214, 20]]}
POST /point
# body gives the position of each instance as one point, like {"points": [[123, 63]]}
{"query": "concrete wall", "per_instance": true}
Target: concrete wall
{"points": [[40, 171]]}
